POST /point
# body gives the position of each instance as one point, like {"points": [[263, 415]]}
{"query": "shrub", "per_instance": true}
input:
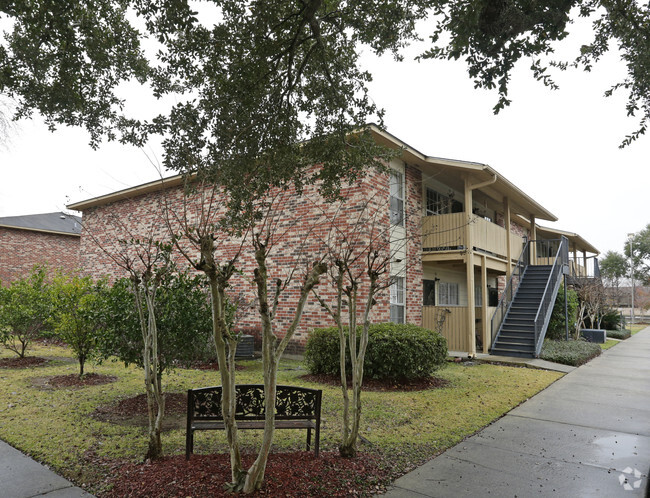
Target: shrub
{"points": [[183, 321], [77, 314], [618, 334], [25, 307], [556, 326], [573, 353], [611, 320], [395, 352]]}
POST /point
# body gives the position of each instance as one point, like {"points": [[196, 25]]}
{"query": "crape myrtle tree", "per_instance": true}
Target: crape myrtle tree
{"points": [[205, 233], [147, 261], [358, 253]]}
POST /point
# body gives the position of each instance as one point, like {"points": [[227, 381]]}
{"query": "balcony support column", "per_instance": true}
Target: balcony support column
{"points": [[533, 236], [487, 333]]}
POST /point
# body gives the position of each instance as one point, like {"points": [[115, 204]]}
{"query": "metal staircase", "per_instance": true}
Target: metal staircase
{"points": [[526, 305]]}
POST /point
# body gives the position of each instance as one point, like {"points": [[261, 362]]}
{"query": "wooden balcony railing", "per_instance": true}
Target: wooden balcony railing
{"points": [[446, 232]]}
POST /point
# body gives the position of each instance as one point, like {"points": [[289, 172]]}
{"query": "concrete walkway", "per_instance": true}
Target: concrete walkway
{"points": [[587, 435], [22, 477]]}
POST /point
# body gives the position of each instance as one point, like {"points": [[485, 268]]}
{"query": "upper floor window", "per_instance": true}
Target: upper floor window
{"points": [[396, 198], [437, 203]]}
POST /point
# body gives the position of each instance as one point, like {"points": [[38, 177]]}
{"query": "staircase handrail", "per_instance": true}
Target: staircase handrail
{"points": [[543, 316], [509, 293]]}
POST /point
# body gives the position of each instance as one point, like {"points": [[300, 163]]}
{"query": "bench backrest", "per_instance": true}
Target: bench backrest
{"points": [[292, 403]]}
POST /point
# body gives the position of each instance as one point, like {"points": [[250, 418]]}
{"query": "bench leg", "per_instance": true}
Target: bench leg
{"points": [[317, 440], [189, 444], [308, 438]]}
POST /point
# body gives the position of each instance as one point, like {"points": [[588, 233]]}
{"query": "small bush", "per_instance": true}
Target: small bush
{"points": [[573, 353], [618, 334], [556, 327], [395, 352], [611, 320]]}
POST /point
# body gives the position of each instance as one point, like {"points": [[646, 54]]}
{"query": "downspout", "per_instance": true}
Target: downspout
{"points": [[469, 265]]}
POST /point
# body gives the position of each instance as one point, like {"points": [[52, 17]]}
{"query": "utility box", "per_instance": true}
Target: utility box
{"points": [[245, 347], [599, 336]]}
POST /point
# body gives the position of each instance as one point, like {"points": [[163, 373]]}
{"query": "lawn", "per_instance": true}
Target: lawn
{"points": [[57, 426], [608, 344], [637, 327]]}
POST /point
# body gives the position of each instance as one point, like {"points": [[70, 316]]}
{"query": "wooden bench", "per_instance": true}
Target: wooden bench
{"points": [[295, 408]]}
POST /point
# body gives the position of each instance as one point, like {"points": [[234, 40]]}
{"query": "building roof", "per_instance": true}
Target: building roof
{"points": [[499, 187], [576, 240], [59, 223]]}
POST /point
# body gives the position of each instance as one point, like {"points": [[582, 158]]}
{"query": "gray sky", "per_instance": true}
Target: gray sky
{"points": [[560, 147]]}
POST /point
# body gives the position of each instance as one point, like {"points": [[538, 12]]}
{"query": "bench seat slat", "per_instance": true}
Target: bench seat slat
{"points": [[206, 425]]}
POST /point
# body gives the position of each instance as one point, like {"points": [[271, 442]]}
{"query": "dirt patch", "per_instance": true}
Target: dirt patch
{"points": [[382, 385], [72, 381], [26, 362], [211, 365], [298, 474], [133, 411]]}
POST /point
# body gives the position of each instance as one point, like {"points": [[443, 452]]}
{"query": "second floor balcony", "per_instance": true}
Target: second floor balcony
{"points": [[448, 233]]}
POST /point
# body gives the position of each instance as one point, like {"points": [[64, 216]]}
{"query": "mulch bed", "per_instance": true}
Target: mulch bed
{"points": [[381, 385], [73, 380], [137, 405], [26, 362], [298, 474]]}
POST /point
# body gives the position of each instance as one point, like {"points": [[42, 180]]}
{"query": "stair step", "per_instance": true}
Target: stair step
{"points": [[511, 352]]}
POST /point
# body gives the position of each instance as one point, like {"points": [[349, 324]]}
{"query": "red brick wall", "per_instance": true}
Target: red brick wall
{"points": [[20, 250], [414, 245], [302, 229]]}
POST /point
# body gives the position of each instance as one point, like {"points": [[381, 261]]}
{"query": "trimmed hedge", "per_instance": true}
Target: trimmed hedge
{"points": [[573, 353], [395, 352], [618, 334]]}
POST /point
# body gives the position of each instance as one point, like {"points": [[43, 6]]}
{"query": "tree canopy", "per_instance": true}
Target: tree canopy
{"points": [[638, 247], [264, 90]]}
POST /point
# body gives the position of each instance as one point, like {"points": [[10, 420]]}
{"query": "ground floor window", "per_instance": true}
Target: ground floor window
{"points": [[448, 294], [397, 300], [429, 292]]}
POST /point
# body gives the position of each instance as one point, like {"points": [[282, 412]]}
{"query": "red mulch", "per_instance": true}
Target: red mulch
{"points": [[73, 380], [381, 385], [298, 474], [27, 361], [137, 405]]}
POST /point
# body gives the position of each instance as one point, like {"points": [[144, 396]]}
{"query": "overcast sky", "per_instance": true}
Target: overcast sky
{"points": [[560, 147]]}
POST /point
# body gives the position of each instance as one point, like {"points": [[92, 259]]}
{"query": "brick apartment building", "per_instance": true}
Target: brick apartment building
{"points": [[455, 231]]}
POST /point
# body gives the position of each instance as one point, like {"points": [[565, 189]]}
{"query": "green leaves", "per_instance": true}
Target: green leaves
{"points": [[25, 307]]}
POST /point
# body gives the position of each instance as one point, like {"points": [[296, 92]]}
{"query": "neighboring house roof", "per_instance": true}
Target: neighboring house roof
{"points": [[59, 223], [499, 187]]}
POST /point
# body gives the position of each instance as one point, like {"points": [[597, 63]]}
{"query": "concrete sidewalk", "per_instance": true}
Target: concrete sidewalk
{"points": [[588, 435], [22, 477]]}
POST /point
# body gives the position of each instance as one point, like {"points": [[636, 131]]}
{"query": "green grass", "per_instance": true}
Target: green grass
{"points": [[637, 327], [55, 426], [573, 353], [608, 344]]}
